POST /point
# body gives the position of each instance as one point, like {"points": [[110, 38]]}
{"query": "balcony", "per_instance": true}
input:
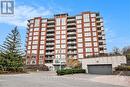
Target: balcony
{"points": [[50, 26], [71, 28], [72, 52], [50, 39], [49, 53], [49, 44], [71, 38], [72, 42], [70, 24], [50, 48], [50, 30], [50, 34], [73, 19], [50, 21], [49, 58], [71, 33], [72, 47]]}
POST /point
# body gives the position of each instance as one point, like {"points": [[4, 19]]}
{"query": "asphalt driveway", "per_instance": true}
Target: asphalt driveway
{"points": [[49, 79]]}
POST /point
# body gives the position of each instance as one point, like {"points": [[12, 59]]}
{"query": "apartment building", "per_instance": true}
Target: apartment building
{"points": [[54, 40]]}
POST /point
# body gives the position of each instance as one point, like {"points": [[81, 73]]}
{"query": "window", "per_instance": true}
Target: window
{"points": [[34, 47], [34, 51], [57, 28], [35, 42], [87, 54], [93, 24], [30, 38], [63, 46], [94, 38], [87, 39], [42, 33], [57, 32], [93, 15], [86, 18], [80, 40], [43, 29], [63, 36], [79, 26], [62, 51], [88, 49], [57, 41], [86, 29], [42, 47], [63, 28], [80, 45], [58, 37], [63, 21], [41, 51], [28, 52], [43, 25], [36, 33], [31, 29], [44, 20], [63, 32], [57, 56], [29, 47], [93, 28], [80, 55], [37, 22], [93, 19], [80, 50], [42, 38], [88, 34], [62, 56], [95, 43], [57, 46], [36, 29], [63, 41], [78, 17], [57, 21], [95, 49], [88, 44], [79, 30], [30, 34], [42, 42], [79, 35], [29, 43], [94, 33], [86, 24], [79, 21], [31, 25]]}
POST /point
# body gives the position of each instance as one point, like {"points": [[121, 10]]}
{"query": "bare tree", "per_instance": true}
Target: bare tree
{"points": [[126, 50], [116, 51]]}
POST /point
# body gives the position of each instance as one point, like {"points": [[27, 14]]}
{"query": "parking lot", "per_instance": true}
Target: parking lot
{"points": [[50, 79]]}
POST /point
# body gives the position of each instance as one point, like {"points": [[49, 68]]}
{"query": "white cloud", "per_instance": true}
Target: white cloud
{"points": [[23, 13]]}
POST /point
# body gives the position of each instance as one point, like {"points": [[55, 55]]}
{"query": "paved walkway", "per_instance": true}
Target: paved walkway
{"points": [[50, 79]]}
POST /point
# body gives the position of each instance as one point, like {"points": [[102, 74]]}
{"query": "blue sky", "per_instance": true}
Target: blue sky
{"points": [[116, 14]]}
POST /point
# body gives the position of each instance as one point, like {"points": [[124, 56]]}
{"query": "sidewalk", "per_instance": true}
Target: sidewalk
{"points": [[113, 79]]}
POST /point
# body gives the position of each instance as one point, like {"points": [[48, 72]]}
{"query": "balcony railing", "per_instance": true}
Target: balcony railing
{"points": [[50, 34], [70, 19], [50, 39], [72, 47], [71, 38], [49, 48]]}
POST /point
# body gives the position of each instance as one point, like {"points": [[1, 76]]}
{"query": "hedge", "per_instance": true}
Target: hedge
{"points": [[122, 68], [70, 71]]}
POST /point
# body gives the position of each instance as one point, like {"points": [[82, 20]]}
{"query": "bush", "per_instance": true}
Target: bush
{"points": [[70, 71], [122, 68]]}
